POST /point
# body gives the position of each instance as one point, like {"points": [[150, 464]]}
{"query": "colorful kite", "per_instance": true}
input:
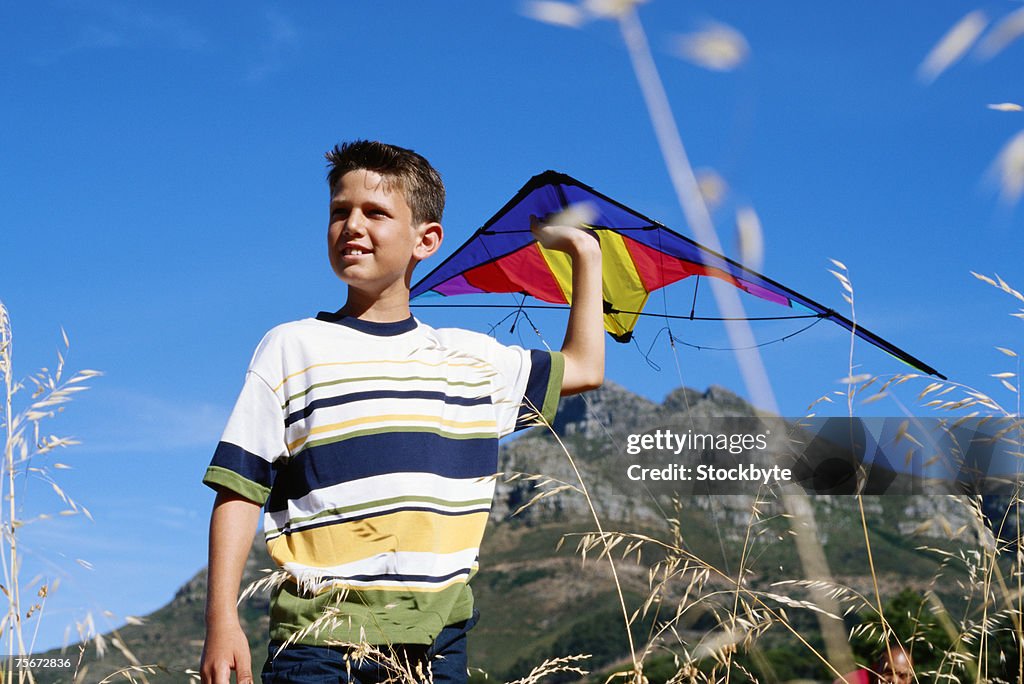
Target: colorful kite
{"points": [[640, 256]]}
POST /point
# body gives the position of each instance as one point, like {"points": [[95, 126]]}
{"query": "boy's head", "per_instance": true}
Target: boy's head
{"points": [[894, 665], [403, 169], [386, 205]]}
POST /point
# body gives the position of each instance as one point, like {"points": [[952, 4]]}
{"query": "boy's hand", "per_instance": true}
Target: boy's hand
{"points": [[226, 649], [562, 231]]}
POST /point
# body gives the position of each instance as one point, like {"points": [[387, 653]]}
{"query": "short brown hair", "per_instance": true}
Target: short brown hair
{"points": [[412, 173]]}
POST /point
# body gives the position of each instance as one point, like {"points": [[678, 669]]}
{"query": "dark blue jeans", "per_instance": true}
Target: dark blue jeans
{"points": [[298, 664]]}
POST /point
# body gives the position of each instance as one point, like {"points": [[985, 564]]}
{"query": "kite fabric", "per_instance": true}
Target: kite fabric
{"points": [[639, 256]]}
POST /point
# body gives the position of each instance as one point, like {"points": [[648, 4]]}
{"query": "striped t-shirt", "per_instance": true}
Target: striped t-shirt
{"points": [[373, 447]]}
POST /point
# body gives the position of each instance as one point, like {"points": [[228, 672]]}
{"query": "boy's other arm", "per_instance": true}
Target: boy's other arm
{"points": [[232, 528], [583, 346]]}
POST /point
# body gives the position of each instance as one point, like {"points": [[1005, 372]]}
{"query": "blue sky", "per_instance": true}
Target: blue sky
{"points": [[164, 203]]}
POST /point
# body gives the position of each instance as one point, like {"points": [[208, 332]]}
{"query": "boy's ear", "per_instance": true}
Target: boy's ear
{"points": [[431, 235]]}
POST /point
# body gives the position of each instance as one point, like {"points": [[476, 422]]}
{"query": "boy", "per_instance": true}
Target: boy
{"points": [[370, 438]]}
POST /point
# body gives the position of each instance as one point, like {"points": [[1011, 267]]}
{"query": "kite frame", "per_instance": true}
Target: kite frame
{"points": [[557, 179]]}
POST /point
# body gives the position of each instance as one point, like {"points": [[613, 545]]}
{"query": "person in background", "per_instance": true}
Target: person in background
{"points": [[894, 666]]}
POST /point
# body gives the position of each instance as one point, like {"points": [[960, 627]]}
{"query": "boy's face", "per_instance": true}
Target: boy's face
{"points": [[372, 241]]}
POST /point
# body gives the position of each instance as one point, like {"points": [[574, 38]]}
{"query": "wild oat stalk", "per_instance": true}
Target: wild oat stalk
{"points": [[24, 445], [637, 664]]}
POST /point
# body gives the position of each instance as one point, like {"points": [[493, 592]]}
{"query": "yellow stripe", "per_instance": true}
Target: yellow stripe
{"points": [[402, 531], [376, 361], [400, 418], [620, 283], [561, 267]]}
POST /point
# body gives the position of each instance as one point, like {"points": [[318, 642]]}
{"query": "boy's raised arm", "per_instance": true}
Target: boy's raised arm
{"points": [[583, 347], [232, 528]]}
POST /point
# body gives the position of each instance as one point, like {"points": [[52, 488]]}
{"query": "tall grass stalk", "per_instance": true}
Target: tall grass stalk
{"points": [[851, 380], [24, 446], [637, 665]]}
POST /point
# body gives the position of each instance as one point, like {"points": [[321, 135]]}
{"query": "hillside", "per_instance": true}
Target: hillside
{"points": [[539, 601]]}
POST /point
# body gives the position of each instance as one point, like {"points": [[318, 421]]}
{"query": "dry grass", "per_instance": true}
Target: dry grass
{"points": [[30, 454], [982, 633]]}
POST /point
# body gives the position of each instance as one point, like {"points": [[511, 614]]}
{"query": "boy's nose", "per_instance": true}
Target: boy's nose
{"points": [[354, 225]]}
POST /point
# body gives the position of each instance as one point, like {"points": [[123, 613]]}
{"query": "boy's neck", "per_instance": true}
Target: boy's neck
{"points": [[377, 310]]}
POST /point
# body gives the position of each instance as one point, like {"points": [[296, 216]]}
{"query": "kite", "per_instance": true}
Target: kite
{"points": [[640, 255]]}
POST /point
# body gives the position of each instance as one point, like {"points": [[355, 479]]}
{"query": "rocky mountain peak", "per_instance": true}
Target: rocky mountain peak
{"points": [[608, 408]]}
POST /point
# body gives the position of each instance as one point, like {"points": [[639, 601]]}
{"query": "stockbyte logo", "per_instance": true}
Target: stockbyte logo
{"points": [[707, 473]]}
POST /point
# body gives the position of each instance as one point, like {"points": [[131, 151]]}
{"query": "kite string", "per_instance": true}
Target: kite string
{"points": [[682, 386], [756, 346], [519, 310], [490, 331]]}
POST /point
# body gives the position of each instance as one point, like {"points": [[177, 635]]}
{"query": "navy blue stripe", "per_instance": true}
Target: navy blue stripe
{"points": [[381, 454], [536, 387], [389, 329], [402, 578], [289, 529], [353, 397], [236, 459]]}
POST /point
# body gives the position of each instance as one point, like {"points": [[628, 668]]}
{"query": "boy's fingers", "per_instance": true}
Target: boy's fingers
{"points": [[221, 674], [243, 668]]}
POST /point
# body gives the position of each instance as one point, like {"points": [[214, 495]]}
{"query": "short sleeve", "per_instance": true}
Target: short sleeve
{"points": [[528, 382], [252, 441]]}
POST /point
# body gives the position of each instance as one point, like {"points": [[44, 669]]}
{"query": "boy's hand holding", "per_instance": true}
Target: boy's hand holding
{"points": [[561, 233], [583, 347]]}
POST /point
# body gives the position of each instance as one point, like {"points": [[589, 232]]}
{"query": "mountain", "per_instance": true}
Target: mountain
{"points": [[537, 598]]}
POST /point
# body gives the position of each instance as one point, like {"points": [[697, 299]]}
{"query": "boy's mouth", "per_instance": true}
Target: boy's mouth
{"points": [[354, 250]]}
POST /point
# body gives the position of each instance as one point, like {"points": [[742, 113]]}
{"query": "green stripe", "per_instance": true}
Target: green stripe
{"points": [[392, 500], [398, 428], [383, 617], [217, 477], [554, 387], [450, 383]]}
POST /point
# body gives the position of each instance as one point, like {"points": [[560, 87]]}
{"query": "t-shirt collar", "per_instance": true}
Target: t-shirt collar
{"points": [[369, 327]]}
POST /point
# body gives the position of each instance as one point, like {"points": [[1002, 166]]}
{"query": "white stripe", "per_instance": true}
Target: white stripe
{"points": [[431, 365], [439, 385], [392, 563], [381, 487], [429, 422]]}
